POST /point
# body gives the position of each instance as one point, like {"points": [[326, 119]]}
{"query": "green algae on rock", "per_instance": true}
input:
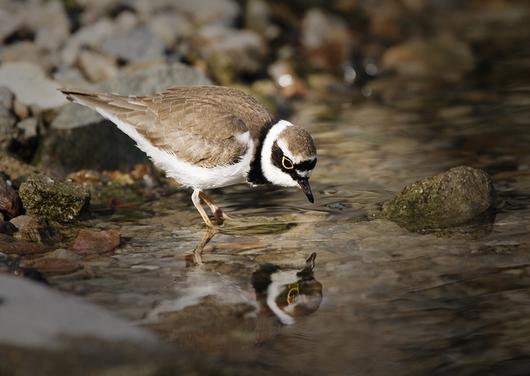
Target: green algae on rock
{"points": [[449, 199], [60, 201]]}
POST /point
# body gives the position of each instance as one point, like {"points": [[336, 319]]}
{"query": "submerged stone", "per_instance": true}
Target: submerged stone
{"points": [[449, 199], [9, 200], [91, 241], [33, 229], [60, 201]]}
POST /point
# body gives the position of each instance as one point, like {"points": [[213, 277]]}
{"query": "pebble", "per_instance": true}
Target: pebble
{"points": [[29, 126], [10, 246], [33, 229], [6, 98], [97, 67], [30, 85], [92, 241], [56, 200], [9, 200], [136, 46]]}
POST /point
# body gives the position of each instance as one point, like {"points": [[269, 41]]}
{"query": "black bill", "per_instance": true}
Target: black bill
{"points": [[304, 185]]}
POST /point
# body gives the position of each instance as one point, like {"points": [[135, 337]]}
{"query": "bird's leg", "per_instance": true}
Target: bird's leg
{"points": [[219, 215], [196, 199]]}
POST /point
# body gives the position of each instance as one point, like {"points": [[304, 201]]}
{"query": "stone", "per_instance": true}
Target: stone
{"points": [[36, 316], [30, 85], [14, 168], [229, 52], [88, 36], [258, 18], [29, 127], [9, 200], [7, 228], [53, 265], [202, 12], [169, 27], [7, 128], [11, 246], [80, 138], [9, 23], [28, 52], [6, 98], [20, 109], [97, 67], [92, 241], [56, 200], [444, 58], [50, 23], [326, 39], [135, 46], [33, 229], [449, 199]]}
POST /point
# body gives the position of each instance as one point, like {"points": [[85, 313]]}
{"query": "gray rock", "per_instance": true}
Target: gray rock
{"points": [[89, 36], [229, 51], [449, 199], [136, 46], [97, 67], [6, 98], [30, 85], [60, 318], [169, 27], [80, 138], [8, 131], [50, 23], [60, 201], [29, 126]]}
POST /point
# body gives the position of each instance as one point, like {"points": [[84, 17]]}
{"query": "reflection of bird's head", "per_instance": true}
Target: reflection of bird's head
{"points": [[288, 293]]}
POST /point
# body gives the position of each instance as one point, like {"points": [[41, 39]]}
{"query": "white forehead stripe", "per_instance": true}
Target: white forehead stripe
{"points": [[271, 172]]}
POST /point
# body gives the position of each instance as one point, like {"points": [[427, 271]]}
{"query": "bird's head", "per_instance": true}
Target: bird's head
{"points": [[289, 156]]}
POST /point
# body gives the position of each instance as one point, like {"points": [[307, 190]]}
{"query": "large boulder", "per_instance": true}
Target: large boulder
{"points": [[449, 199], [56, 200]]}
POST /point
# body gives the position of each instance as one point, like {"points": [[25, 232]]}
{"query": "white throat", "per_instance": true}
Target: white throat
{"points": [[272, 173]]}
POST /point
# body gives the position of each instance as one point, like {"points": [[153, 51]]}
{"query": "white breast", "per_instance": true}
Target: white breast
{"points": [[184, 172]]}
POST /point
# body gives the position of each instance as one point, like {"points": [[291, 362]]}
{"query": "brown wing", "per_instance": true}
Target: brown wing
{"points": [[198, 124]]}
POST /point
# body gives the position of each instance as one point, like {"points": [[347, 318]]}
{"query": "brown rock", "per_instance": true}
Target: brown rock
{"points": [[33, 229], [53, 265], [11, 246], [9, 200], [93, 241], [7, 228]]}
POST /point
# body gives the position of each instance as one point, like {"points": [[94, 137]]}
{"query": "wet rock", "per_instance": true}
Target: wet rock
{"points": [[56, 200], [229, 52], [92, 241], [97, 67], [30, 85], [11, 246], [326, 39], [7, 127], [9, 200], [59, 317], [53, 265], [81, 139], [443, 58], [449, 199], [136, 46], [34, 229]]}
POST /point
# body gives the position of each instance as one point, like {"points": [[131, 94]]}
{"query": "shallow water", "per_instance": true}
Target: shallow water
{"points": [[455, 302]]}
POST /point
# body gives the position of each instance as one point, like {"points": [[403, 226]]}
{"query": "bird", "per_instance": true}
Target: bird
{"points": [[208, 137]]}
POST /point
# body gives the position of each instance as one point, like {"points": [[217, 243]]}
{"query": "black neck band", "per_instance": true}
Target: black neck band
{"points": [[255, 174]]}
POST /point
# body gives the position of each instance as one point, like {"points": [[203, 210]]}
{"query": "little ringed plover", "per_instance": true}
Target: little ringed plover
{"points": [[210, 137]]}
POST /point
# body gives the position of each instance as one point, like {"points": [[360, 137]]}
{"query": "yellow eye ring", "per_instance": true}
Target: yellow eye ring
{"points": [[292, 294], [287, 163]]}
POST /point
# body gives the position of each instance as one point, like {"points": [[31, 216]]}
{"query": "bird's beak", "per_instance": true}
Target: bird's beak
{"points": [[304, 186]]}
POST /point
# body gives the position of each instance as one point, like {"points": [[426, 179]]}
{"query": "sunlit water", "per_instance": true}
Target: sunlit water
{"points": [[456, 302]]}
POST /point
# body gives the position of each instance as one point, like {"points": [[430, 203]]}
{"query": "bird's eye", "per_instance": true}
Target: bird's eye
{"points": [[293, 294], [287, 163]]}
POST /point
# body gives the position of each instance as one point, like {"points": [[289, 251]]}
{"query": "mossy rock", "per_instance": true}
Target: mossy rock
{"points": [[57, 200], [446, 200]]}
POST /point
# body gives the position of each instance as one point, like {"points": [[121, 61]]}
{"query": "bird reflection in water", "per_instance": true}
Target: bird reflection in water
{"points": [[287, 293]]}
